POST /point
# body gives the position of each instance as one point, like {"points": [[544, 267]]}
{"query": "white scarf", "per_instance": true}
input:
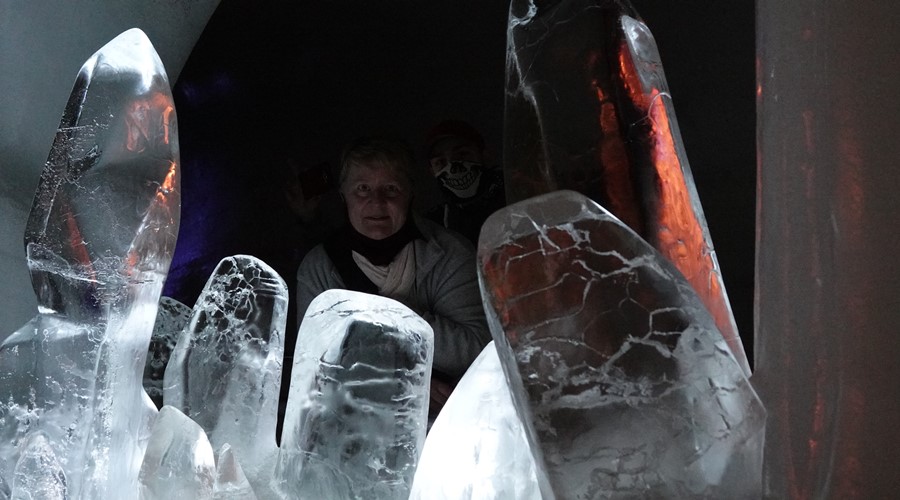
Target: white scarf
{"points": [[395, 280]]}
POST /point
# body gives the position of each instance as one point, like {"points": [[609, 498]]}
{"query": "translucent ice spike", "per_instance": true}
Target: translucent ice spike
{"points": [[179, 462], [231, 483], [99, 241], [38, 473], [171, 318], [225, 372], [588, 109], [358, 403], [624, 384], [476, 449]]}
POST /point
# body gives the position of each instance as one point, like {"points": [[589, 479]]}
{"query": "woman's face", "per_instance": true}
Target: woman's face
{"points": [[377, 199]]}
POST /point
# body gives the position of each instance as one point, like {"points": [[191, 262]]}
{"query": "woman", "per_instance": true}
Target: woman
{"points": [[386, 250]]}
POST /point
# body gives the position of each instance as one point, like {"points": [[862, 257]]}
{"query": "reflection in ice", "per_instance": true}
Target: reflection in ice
{"points": [[623, 382]]}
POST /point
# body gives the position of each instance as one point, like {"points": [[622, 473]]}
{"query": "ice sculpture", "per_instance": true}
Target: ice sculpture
{"points": [[358, 400], [171, 318], [588, 109], [231, 483], [225, 372], [99, 241], [179, 461], [625, 385], [476, 448], [38, 473]]}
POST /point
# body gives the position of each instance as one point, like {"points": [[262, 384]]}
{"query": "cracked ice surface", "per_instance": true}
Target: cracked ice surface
{"points": [[171, 318], [358, 402], [476, 448], [99, 241], [589, 110], [623, 382], [225, 372]]}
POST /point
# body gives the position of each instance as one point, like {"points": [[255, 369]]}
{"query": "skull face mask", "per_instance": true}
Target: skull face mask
{"points": [[461, 178]]}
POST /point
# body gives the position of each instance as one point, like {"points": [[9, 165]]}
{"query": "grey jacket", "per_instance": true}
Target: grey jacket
{"points": [[446, 294]]}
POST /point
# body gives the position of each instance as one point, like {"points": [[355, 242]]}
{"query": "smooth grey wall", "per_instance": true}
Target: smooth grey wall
{"points": [[42, 46]]}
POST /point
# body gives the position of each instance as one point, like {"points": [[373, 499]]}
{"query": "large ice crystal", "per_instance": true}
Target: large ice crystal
{"points": [[179, 462], [624, 384], [171, 318], [358, 401], [588, 109], [38, 473], [225, 372], [98, 241], [476, 448], [231, 483]]}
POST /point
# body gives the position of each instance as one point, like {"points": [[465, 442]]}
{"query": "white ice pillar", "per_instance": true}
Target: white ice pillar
{"points": [[828, 238]]}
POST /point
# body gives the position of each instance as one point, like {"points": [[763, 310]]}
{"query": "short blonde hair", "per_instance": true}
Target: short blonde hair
{"points": [[378, 151]]}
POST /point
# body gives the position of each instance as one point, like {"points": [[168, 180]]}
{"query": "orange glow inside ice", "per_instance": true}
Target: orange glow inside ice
{"points": [[679, 235]]}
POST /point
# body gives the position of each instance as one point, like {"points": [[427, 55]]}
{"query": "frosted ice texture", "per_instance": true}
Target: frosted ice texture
{"points": [[623, 382], [99, 241], [38, 473], [231, 483], [588, 109], [476, 448], [4, 489], [171, 318], [179, 462], [358, 401], [148, 418], [225, 372]]}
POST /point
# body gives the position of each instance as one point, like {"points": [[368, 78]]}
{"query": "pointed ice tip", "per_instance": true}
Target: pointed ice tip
{"points": [[130, 52]]}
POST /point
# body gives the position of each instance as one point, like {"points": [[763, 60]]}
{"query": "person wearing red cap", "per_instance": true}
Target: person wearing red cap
{"points": [[471, 190]]}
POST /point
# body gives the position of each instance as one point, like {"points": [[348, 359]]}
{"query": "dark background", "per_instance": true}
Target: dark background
{"points": [[297, 80]]}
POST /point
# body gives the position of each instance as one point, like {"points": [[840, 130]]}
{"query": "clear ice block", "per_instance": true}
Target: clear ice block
{"points": [[99, 241], [231, 483], [624, 384], [476, 448], [225, 371], [179, 462], [589, 109], [38, 473], [171, 318], [358, 403]]}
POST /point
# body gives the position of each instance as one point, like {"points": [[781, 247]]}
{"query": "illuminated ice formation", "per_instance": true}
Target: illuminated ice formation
{"points": [[225, 372], [358, 402], [588, 109], [38, 473], [476, 449], [99, 241], [171, 318], [179, 461], [624, 384], [231, 483]]}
